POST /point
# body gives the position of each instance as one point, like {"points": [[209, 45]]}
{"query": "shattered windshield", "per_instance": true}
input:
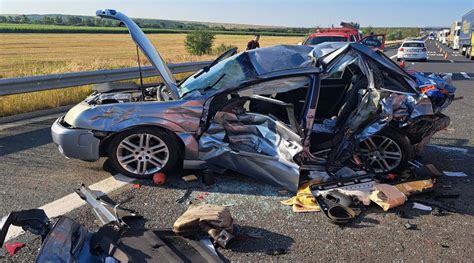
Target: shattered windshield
{"points": [[230, 72]]}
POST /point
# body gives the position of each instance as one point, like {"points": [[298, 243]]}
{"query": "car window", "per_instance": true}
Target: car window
{"points": [[336, 70], [413, 44], [227, 73], [322, 39]]}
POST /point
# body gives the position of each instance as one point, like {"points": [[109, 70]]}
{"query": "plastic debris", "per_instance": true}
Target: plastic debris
{"points": [[256, 234], [454, 174], [410, 226], [422, 207], [136, 186], [159, 178], [208, 178], [12, 248], [387, 196], [303, 201], [189, 178]]}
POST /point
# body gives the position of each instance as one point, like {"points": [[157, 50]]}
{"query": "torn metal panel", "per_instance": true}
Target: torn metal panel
{"points": [[255, 145]]}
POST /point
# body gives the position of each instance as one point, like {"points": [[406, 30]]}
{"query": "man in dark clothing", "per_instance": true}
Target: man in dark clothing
{"points": [[253, 44]]}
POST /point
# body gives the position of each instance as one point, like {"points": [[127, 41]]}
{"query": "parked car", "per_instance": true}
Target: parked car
{"points": [[275, 113], [412, 50]]}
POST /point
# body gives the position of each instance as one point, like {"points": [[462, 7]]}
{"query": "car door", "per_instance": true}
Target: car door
{"points": [[376, 42], [257, 144]]}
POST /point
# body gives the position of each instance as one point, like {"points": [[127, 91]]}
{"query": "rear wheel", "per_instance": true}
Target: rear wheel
{"points": [[143, 151], [387, 152]]}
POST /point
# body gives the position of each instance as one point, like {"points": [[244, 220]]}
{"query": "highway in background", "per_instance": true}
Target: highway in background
{"points": [[34, 173]]}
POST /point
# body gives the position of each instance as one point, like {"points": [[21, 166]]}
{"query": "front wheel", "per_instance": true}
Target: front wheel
{"points": [[387, 152], [143, 151]]}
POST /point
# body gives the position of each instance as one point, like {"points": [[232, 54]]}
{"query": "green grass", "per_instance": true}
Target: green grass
{"points": [[37, 28]]}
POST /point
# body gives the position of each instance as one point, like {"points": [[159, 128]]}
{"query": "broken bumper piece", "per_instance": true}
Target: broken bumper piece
{"points": [[75, 143]]}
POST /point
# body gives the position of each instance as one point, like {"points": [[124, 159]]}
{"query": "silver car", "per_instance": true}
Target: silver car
{"points": [[277, 113]]}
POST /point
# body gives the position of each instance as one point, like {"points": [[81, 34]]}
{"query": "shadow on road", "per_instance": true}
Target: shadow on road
{"points": [[23, 141]]}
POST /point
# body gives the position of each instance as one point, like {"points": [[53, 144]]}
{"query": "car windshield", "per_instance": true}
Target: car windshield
{"points": [[413, 44], [229, 72], [322, 39]]}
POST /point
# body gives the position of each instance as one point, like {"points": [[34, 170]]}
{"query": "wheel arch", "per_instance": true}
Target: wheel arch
{"points": [[105, 142]]}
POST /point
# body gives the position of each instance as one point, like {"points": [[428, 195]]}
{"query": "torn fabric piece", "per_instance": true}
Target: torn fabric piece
{"points": [[387, 196]]}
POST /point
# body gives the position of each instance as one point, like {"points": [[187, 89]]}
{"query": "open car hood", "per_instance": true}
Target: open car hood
{"points": [[146, 46]]}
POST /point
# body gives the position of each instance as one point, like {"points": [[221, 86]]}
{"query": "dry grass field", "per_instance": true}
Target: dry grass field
{"points": [[38, 54]]}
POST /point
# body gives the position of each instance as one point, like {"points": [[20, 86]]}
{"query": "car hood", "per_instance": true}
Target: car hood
{"points": [[146, 47], [177, 115]]}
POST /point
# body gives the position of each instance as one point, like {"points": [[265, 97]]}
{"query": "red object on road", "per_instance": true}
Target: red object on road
{"points": [[12, 248], [402, 64], [159, 178]]}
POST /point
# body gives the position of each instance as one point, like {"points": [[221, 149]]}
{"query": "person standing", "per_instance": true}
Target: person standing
{"points": [[253, 44]]}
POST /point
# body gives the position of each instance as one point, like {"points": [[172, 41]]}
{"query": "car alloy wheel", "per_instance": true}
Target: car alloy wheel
{"points": [[142, 154], [382, 153]]}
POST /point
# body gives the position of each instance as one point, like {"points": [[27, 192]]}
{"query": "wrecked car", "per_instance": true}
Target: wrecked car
{"points": [[277, 113]]}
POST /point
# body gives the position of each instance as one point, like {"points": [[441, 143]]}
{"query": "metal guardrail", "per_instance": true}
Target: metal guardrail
{"points": [[10, 86]]}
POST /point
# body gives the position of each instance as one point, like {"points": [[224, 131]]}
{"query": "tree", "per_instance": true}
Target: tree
{"points": [[24, 19], [3, 19], [199, 42], [58, 20]]}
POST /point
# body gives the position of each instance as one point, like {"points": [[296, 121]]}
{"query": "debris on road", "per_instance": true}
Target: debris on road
{"points": [[136, 186], [13, 248], [454, 174], [410, 226], [189, 178], [387, 196], [185, 196], [159, 178], [216, 221], [422, 207]]}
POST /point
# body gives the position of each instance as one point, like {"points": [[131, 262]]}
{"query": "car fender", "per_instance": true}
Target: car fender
{"points": [[146, 121]]}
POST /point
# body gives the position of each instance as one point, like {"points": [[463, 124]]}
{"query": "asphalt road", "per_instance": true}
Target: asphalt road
{"points": [[34, 173]]}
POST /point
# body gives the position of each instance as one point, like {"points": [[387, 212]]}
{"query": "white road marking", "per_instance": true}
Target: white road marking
{"points": [[447, 148], [72, 201], [464, 74]]}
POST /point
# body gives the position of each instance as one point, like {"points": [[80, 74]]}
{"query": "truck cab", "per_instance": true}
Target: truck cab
{"points": [[345, 34]]}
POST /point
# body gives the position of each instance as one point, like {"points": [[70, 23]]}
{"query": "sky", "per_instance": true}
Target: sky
{"points": [[297, 13]]}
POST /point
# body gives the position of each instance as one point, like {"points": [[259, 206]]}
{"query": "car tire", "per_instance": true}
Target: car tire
{"points": [[143, 151], [391, 153]]}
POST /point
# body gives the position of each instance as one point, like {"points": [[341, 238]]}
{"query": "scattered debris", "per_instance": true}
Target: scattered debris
{"points": [[189, 178], [12, 248], [228, 205], [454, 174], [136, 186], [410, 226], [185, 196], [422, 207], [303, 201], [159, 178], [438, 211], [387, 196], [216, 221]]}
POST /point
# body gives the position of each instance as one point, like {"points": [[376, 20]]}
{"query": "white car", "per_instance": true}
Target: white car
{"points": [[412, 50]]}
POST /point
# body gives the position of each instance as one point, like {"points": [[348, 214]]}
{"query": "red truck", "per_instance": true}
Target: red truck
{"points": [[346, 33]]}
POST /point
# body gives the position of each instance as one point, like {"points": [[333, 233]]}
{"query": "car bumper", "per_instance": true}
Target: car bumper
{"points": [[413, 56], [75, 143]]}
